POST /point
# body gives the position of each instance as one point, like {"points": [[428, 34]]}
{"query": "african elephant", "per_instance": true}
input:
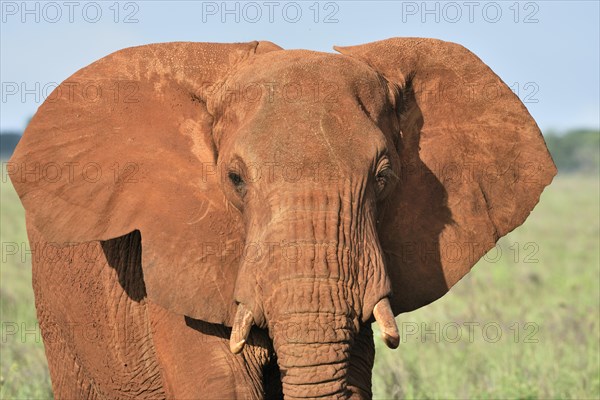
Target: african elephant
{"points": [[227, 220]]}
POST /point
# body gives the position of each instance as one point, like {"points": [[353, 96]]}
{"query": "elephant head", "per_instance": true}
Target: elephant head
{"points": [[302, 192]]}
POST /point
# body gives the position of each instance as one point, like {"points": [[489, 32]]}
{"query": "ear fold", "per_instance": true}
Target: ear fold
{"points": [[474, 164], [125, 144]]}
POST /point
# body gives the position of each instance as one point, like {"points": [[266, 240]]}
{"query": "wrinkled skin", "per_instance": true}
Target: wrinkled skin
{"points": [[281, 202]]}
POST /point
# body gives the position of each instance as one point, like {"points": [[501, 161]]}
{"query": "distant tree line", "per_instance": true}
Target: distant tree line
{"points": [[576, 151], [8, 141]]}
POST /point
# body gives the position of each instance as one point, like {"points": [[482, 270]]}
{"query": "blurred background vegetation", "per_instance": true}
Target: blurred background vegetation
{"points": [[577, 151], [524, 324]]}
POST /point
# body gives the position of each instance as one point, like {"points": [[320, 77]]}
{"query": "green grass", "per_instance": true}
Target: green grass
{"points": [[555, 356], [23, 366], [547, 276]]}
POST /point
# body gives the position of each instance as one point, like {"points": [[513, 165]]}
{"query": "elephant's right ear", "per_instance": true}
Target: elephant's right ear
{"points": [[474, 164], [125, 144]]}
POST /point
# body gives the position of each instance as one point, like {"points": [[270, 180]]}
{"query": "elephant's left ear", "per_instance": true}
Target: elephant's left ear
{"points": [[474, 164], [125, 144]]}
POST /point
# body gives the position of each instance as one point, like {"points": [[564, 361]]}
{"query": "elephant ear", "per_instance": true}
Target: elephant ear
{"points": [[125, 144], [474, 164]]}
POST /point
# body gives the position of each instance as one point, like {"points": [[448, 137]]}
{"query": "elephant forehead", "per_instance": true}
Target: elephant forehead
{"points": [[303, 104], [349, 143], [312, 78], [290, 64]]}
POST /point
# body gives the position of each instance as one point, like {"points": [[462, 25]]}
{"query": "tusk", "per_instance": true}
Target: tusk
{"points": [[242, 323], [387, 324]]}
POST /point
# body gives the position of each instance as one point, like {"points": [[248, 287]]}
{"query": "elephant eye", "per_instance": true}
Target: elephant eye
{"points": [[382, 177], [237, 182]]}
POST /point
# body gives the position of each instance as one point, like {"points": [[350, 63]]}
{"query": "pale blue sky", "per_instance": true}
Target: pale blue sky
{"points": [[548, 49]]}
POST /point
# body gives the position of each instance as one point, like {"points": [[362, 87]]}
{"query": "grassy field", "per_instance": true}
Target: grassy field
{"points": [[541, 293], [23, 367], [524, 324]]}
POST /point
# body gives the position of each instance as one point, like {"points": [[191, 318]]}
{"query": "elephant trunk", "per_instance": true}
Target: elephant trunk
{"points": [[313, 352], [322, 277]]}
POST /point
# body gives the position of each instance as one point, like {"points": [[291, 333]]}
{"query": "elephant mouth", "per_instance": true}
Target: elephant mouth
{"points": [[382, 312]]}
